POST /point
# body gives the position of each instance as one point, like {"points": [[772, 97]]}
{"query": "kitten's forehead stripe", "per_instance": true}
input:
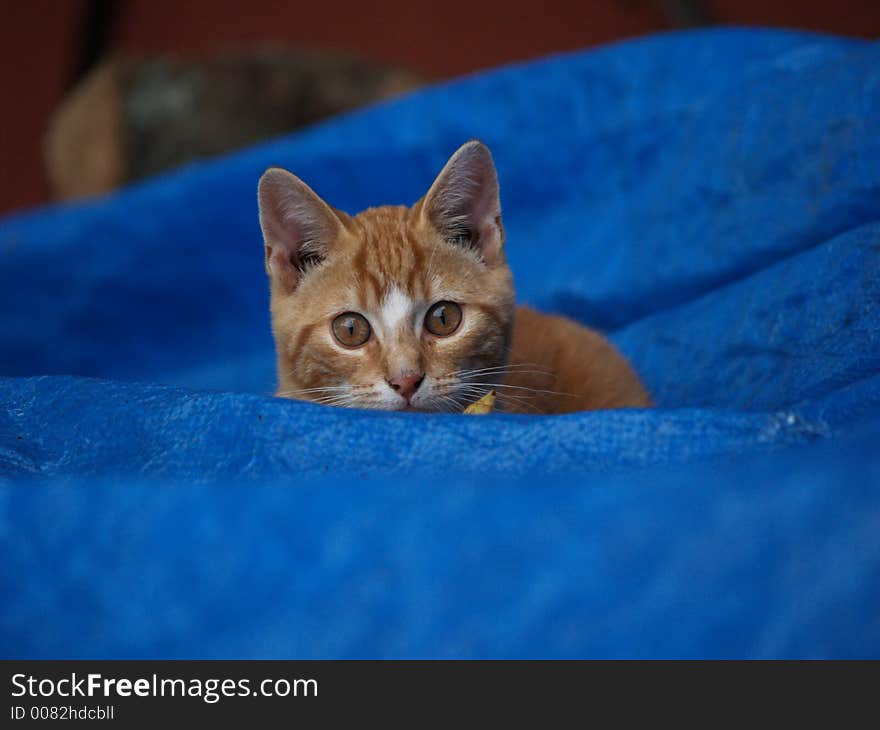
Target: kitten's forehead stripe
{"points": [[364, 271], [388, 254], [416, 269]]}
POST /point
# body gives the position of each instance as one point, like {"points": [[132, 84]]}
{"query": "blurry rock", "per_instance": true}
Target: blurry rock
{"points": [[132, 118]]}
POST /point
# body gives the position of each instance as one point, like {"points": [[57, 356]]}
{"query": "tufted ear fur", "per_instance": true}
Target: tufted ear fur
{"points": [[463, 202], [298, 227]]}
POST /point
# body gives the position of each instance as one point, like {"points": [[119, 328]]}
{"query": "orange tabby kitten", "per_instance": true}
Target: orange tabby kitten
{"points": [[413, 308]]}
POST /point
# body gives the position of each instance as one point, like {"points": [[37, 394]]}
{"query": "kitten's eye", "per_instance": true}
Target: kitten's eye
{"points": [[443, 318], [351, 329]]}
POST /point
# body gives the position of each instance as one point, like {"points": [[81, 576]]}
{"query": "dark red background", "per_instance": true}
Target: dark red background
{"points": [[41, 42]]}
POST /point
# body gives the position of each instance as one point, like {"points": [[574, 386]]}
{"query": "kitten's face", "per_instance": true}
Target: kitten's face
{"points": [[397, 308]]}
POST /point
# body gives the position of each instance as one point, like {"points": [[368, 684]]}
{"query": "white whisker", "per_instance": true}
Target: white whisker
{"points": [[514, 368], [524, 387], [305, 391]]}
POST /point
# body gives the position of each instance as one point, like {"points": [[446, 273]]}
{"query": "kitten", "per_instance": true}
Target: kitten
{"points": [[403, 308]]}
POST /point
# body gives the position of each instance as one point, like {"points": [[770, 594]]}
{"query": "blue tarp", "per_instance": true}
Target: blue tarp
{"points": [[710, 199]]}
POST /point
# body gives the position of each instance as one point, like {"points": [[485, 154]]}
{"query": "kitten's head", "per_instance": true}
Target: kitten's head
{"points": [[395, 308]]}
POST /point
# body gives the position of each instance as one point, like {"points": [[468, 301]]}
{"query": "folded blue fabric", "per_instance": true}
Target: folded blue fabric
{"points": [[710, 199]]}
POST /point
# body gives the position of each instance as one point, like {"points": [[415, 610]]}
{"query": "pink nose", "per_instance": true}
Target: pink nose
{"points": [[406, 385]]}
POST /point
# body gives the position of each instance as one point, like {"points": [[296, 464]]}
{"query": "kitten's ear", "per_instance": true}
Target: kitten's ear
{"points": [[298, 227], [463, 203]]}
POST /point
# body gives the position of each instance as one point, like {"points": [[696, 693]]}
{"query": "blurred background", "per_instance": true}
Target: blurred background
{"points": [[99, 93]]}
